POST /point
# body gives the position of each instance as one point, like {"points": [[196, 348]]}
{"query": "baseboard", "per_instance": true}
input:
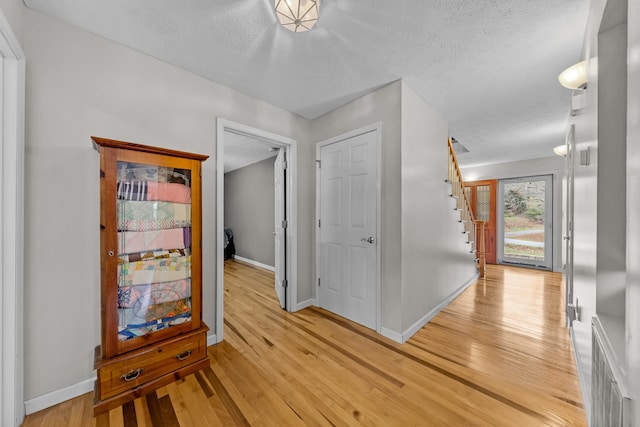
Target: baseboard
{"points": [[212, 339], [431, 314], [304, 304], [58, 396], [254, 263], [392, 335], [583, 383]]}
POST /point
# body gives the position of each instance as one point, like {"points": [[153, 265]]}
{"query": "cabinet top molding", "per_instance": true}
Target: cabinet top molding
{"points": [[105, 142]]}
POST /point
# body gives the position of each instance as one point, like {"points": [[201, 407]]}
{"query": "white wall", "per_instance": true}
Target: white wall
{"points": [[424, 257], [435, 256], [383, 106], [546, 166], [79, 85], [633, 204], [605, 269]]}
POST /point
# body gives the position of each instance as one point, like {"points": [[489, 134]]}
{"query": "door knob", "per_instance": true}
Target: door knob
{"points": [[368, 239]]}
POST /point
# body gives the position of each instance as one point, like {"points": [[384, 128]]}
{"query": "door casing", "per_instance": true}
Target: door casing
{"points": [[272, 139]]}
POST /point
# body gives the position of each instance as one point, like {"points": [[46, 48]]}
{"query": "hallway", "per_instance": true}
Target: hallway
{"points": [[499, 355]]}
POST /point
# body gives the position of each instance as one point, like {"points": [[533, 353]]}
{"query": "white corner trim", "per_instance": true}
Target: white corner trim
{"points": [[254, 263], [392, 335], [58, 396], [307, 303], [431, 314], [212, 339], [12, 112]]}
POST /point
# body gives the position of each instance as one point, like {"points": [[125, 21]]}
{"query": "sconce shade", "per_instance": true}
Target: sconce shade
{"points": [[574, 77], [560, 150], [298, 15]]}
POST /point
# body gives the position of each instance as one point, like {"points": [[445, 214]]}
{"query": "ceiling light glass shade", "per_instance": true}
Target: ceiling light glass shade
{"points": [[560, 150], [298, 15], [574, 77]]}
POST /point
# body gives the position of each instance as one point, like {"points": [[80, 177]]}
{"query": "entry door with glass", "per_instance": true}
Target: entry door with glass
{"points": [[482, 197], [526, 221]]}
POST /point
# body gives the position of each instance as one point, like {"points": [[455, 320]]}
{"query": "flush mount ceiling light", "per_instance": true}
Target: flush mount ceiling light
{"points": [[297, 15], [574, 77]]}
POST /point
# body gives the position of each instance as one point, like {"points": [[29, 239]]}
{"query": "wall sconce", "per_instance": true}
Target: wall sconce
{"points": [[560, 150], [574, 77], [298, 15]]}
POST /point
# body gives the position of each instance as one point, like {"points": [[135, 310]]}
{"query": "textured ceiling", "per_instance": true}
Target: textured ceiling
{"points": [[489, 67]]}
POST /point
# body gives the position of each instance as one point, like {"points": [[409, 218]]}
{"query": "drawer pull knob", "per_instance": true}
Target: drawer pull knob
{"points": [[184, 355], [132, 375]]}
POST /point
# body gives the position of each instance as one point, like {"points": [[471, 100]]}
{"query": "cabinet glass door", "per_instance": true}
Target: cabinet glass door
{"points": [[153, 211]]}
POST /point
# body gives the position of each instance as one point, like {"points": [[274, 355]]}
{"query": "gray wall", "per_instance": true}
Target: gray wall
{"points": [[435, 256], [78, 85], [249, 210]]}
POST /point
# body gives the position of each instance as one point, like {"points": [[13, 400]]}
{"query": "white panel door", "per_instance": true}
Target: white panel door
{"points": [[348, 228], [280, 231]]}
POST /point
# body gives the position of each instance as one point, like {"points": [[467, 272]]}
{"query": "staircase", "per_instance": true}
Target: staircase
{"points": [[473, 229]]}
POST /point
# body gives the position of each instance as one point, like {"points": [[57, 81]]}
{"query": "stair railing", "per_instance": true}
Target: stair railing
{"points": [[463, 205]]}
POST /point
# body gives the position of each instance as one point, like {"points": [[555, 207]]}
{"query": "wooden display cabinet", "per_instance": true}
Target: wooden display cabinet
{"points": [[152, 331]]}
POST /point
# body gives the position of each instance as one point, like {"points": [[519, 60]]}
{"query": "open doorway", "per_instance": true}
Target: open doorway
{"points": [[525, 221], [283, 231]]}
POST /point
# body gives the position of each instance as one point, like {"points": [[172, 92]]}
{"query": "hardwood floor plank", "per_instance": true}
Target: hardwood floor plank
{"points": [[129, 415], [499, 355], [115, 417], [142, 412], [230, 405], [161, 411]]}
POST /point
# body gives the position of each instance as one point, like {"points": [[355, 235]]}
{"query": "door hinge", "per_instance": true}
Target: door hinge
{"points": [[284, 164], [319, 164], [318, 281], [284, 223], [318, 223], [285, 283]]}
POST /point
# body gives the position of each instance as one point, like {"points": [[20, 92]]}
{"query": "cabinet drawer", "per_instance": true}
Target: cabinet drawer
{"points": [[128, 371]]}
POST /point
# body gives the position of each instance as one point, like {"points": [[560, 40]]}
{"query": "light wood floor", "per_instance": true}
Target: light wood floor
{"points": [[499, 355]]}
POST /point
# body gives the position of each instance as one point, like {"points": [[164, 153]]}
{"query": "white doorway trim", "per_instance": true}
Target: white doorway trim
{"points": [[12, 103], [272, 139], [377, 128]]}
